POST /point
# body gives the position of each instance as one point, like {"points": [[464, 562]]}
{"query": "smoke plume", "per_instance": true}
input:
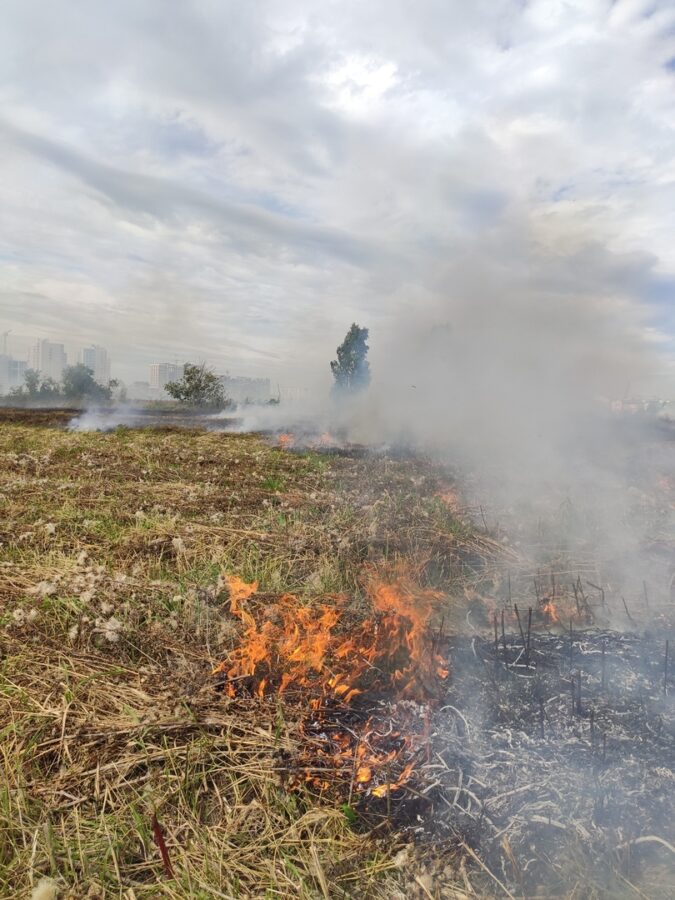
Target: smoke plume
{"points": [[510, 371]]}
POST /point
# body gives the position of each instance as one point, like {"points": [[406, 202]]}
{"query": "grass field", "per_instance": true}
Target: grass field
{"points": [[113, 550]]}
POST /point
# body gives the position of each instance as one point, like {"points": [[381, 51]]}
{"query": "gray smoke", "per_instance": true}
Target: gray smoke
{"points": [[509, 372]]}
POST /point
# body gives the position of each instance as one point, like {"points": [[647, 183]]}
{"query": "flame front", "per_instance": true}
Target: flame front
{"points": [[306, 653], [549, 610]]}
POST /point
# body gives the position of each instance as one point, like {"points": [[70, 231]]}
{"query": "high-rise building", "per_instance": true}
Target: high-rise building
{"points": [[161, 373], [4, 374], [49, 359], [17, 372], [12, 372], [96, 358]]}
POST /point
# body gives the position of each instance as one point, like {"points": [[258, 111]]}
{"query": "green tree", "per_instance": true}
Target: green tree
{"points": [[32, 380], [199, 387], [37, 389], [79, 386], [351, 370], [50, 390]]}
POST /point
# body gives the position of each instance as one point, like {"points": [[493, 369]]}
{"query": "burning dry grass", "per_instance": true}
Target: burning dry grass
{"points": [[370, 689], [100, 756], [301, 768], [125, 769]]}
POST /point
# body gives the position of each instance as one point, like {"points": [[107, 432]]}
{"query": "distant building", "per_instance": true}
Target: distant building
{"points": [[4, 374], [246, 390], [17, 372], [49, 359], [12, 373], [96, 358], [162, 373]]}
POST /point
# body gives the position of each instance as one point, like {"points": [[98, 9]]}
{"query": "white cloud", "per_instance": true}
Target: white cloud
{"points": [[241, 180]]}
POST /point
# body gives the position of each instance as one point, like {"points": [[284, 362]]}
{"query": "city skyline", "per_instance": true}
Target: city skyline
{"points": [[22, 348], [50, 358]]}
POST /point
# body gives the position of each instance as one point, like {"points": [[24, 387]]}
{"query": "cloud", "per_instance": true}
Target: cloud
{"points": [[244, 180], [138, 195]]}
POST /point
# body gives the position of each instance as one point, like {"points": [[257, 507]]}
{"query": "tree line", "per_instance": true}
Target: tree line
{"points": [[199, 386], [77, 386]]}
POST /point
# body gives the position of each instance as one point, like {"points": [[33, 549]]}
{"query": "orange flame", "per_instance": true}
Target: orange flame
{"points": [[292, 648], [239, 590], [448, 497], [550, 610], [286, 441]]}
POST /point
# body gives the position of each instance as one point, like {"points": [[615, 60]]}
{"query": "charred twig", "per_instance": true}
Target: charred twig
{"points": [[665, 670], [427, 737], [576, 598], [596, 587], [541, 718], [354, 768], [438, 638], [520, 626], [504, 640], [587, 605], [529, 633], [630, 618], [580, 588], [603, 676]]}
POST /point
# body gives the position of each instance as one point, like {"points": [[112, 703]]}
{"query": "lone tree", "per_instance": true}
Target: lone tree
{"points": [[351, 370], [199, 386]]}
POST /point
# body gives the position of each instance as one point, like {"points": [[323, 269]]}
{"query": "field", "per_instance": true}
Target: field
{"points": [[126, 773], [232, 666]]}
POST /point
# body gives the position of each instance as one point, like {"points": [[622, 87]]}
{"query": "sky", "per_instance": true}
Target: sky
{"points": [[238, 182]]}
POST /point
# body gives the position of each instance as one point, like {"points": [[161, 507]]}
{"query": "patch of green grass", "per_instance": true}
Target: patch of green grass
{"points": [[273, 483]]}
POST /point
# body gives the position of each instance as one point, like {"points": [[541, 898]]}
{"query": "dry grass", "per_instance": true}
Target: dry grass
{"points": [[96, 750], [111, 617]]}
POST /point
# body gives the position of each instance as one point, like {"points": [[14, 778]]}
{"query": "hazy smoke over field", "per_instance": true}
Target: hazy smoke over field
{"points": [[510, 375]]}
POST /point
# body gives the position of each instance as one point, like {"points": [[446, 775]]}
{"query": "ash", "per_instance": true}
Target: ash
{"points": [[556, 767]]}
